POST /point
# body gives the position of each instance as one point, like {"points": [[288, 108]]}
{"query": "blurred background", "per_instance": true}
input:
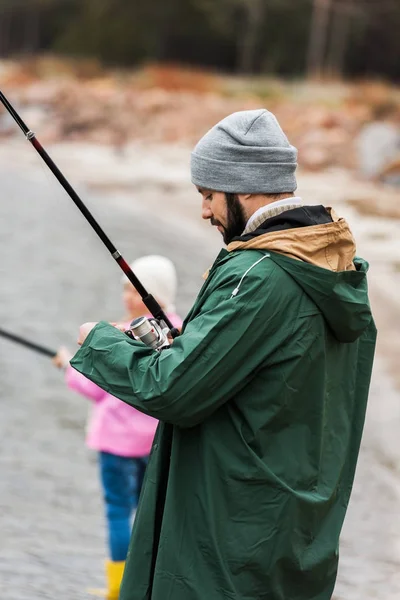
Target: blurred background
{"points": [[118, 92]]}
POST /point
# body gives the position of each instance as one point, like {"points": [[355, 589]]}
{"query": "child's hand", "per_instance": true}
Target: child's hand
{"points": [[62, 358]]}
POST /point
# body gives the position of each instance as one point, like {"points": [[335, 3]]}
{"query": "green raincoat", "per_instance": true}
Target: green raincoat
{"points": [[261, 402]]}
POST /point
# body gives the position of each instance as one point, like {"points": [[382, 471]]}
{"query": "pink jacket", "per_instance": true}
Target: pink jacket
{"points": [[114, 426]]}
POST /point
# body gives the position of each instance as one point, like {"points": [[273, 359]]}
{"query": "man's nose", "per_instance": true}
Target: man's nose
{"points": [[206, 212]]}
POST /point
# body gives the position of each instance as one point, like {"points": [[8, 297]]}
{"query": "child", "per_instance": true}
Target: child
{"points": [[122, 435]]}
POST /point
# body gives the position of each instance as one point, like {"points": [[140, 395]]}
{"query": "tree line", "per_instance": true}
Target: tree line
{"points": [[282, 37]]}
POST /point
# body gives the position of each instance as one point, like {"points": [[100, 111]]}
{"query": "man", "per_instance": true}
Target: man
{"points": [[262, 397]]}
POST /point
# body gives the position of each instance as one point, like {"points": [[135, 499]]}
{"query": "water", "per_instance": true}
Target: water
{"points": [[55, 275]]}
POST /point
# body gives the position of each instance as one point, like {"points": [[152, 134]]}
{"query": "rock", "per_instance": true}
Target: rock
{"points": [[378, 145]]}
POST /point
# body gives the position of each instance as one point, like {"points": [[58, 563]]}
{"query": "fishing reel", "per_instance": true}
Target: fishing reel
{"points": [[151, 332]]}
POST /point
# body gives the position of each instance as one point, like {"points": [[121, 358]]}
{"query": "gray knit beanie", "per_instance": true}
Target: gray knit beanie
{"points": [[245, 153]]}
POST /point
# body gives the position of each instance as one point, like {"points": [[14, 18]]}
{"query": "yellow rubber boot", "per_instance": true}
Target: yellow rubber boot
{"points": [[114, 572]]}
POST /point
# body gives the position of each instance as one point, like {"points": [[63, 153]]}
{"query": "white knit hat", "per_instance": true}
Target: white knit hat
{"points": [[158, 275]]}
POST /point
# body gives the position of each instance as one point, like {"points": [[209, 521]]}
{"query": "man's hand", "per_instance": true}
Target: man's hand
{"points": [[86, 328], [84, 331]]}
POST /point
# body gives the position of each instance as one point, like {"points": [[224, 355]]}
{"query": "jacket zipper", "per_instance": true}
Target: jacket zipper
{"points": [[237, 288]]}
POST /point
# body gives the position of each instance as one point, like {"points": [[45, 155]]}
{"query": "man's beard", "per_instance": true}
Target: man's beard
{"points": [[236, 220]]}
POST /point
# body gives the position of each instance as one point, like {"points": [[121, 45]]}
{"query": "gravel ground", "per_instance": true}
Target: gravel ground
{"points": [[55, 275]]}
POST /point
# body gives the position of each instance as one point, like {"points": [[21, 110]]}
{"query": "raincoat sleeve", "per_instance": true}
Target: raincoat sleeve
{"points": [[207, 365]]}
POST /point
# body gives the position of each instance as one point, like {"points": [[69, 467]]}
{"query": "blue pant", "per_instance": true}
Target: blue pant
{"points": [[122, 480]]}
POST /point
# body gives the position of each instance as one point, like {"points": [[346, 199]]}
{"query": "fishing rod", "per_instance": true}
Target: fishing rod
{"points": [[148, 300], [32, 345]]}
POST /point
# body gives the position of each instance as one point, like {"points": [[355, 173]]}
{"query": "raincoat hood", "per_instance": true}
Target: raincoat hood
{"points": [[321, 259], [341, 297]]}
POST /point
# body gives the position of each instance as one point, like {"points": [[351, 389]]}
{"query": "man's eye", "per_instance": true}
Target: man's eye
{"points": [[209, 197]]}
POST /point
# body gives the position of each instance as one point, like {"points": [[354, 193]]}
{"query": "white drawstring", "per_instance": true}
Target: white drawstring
{"points": [[236, 290]]}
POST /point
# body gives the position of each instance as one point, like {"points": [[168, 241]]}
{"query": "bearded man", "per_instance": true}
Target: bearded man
{"points": [[262, 397]]}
